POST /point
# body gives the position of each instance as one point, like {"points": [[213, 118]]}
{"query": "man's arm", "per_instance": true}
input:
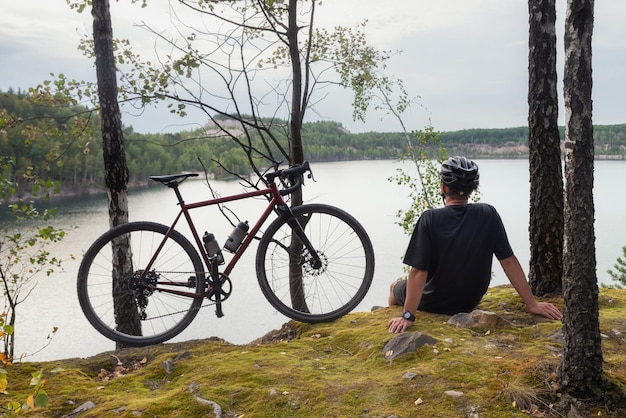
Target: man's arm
{"points": [[516, 276], [414, 290]]}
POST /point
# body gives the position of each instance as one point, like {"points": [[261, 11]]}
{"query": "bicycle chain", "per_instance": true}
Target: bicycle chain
{"points": [[207, 302]]}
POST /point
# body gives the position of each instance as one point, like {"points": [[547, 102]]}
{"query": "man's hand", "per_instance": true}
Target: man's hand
{"points": [[514, 272], [397, 325], [545, 309]]}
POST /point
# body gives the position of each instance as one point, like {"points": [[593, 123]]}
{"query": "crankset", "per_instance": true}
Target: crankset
{"points": [[220, 291]]}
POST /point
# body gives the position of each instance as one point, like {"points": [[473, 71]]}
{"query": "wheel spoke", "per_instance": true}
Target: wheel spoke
{"points": [[330, 288], [155, 314]]}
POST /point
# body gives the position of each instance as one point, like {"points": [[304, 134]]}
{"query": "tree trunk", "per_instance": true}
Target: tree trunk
{"points": [[296, 156], [116, 170], [296, 150], [580, 372], [546, 178]]}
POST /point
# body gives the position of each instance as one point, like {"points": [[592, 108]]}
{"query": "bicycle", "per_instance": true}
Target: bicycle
{"points": [[314, 263]]}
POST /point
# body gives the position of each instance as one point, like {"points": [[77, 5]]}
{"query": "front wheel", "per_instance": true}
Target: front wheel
{"points": [[138, 309], [316, 287]]}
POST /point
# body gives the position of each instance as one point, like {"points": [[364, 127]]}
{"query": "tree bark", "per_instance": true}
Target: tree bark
{"points": [[116, 170], [546, 178], [296, 156], [580, 372], [297, 111]]}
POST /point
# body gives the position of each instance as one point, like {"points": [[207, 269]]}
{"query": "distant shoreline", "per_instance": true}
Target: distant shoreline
{"points": [[474, 151]]}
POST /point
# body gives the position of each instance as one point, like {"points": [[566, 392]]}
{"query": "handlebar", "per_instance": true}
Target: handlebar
{"points": [[294, 174]]}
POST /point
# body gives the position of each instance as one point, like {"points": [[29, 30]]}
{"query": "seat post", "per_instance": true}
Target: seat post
{"points": [[174, 185]]}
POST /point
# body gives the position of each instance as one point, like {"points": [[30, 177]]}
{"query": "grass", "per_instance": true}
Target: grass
{"points": [[339, 370]]}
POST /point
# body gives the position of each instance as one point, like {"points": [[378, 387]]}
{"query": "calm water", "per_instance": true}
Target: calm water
{"points": [[361, 188]]}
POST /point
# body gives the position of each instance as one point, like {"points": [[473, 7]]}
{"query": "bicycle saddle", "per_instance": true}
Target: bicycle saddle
{"points": [[173, 178]]}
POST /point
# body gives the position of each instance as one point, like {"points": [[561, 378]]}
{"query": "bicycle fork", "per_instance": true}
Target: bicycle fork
{"points": [[297, 226]]}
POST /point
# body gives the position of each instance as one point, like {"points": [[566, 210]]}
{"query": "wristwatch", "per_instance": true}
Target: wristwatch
{"points": [[408, 316]]}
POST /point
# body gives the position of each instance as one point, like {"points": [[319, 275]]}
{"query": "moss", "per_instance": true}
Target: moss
{"points": [[338, 370]]}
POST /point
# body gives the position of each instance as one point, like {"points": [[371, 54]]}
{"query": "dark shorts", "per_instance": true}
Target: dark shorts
{"points": [[399, 291]]}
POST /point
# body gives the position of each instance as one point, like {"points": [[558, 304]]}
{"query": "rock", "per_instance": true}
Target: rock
{"points": [[84, 407], [478, 319], [454, 393], [407, 342]]}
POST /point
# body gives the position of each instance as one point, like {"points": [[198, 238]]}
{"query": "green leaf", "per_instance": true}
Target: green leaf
{"points": [[41, 400]]}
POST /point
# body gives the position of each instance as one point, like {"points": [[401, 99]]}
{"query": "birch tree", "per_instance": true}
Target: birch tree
{"points": [[580, 372]]}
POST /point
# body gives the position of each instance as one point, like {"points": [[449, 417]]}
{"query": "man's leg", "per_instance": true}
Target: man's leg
{"points": [[392, 298], [397, 293]]}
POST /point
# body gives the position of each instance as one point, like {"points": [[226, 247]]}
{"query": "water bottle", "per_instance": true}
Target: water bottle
{"points": [[236, 237], [212, 247]]}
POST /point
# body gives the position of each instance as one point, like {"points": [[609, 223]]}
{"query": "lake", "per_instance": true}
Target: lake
{"points": [[359, 187]]}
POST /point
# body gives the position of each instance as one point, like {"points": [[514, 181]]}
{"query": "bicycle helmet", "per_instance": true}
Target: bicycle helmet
{"points": [[460, 174]]}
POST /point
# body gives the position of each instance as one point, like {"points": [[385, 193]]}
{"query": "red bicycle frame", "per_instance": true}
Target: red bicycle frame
{"points": [[276, 200]]}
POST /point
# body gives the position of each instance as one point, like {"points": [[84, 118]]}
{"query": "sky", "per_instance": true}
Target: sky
{"points": [[465, 62]]}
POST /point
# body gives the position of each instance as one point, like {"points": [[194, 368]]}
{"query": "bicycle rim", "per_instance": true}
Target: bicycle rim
{"points": [[151, 316], [310, 293]]}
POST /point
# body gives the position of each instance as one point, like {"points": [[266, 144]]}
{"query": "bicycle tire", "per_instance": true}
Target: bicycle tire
{"points": [[330, 291], [166, 314]]}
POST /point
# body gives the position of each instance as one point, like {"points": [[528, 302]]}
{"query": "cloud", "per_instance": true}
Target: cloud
{"points": [[466, 60]]}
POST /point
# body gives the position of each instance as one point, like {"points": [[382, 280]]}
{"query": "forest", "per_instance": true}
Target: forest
{"points": [[65, 144]]}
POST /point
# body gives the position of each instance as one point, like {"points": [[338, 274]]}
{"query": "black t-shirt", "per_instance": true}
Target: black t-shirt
{"points": [[456, 245]]}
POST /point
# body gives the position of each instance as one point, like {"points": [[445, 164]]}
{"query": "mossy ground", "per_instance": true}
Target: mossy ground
{"points": [[338, 370]]}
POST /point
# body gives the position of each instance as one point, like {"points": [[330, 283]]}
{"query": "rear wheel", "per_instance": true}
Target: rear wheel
{"points": [[151, 314], [315, 289]]}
